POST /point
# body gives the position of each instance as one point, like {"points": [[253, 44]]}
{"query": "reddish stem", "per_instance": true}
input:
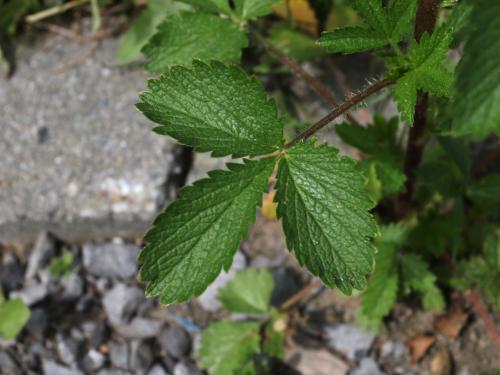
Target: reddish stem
{"points": [[481, 312]]}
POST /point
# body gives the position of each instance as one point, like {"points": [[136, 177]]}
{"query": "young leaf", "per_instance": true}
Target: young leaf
{"points": [[475, 109], [428, 71], [324, 206], [249, 292], [214, 108], [380, 296], [351, 40], [417, 276], [227, 347], [187, 36], [14, 314], [199, 233], [251, 9]]}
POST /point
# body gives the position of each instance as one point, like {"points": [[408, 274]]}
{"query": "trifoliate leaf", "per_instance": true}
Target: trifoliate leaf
{"points": [[199, 233], [14, 314], [351, 40], [249, 292], [187, 36], [324, 206], [227, 347], [251, 9], [417, 276], [486, 191], [427, 71], [214, 108], [380, 296], [475, 109]]}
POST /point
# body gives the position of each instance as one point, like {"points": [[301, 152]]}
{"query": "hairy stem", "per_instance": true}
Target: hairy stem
{"points": [[312, 82], [340, 110], [425, 22]]}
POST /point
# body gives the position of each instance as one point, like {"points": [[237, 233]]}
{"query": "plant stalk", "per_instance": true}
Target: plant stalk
{"points": [[425, 22], [340, 110]]}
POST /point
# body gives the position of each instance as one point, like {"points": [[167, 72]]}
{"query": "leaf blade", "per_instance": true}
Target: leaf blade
{"points": [[351, 39], [318, 214], [214, 108], [199, 233]]}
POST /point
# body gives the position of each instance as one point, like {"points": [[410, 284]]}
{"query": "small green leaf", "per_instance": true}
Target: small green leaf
{"points": [[275, 337], [324, 206], [475, 110], [228, 347], [417, 276], [380, 296], [182, 38], [351, 40], [214, 108], [199, 233], [14, 314], [251, 9], [428, 71], [249, 292], [62, 265]]}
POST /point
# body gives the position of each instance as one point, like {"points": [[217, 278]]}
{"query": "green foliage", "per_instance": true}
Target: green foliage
{"points": [[11, 12], [385, 25], [62, 265], [475, 110], [214, 108], [227, 347], [426, 69], [199, 233], [483, 271], [383, 162], [187, 36], [485, 192], [321, 199], [14, 315], [144, 27], [251, 9], [249, 292]]}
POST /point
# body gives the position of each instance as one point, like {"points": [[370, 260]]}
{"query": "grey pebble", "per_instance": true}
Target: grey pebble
{"points": [[349, 340], [113, 260]]}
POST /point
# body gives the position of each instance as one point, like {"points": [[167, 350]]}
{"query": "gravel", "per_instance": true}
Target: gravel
{"points": [[121, 302], [349, 340], [113, 260], [175, 341]]}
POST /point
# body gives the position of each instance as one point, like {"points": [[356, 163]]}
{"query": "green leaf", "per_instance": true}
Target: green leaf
{"points": [[213, 6], [228, 347], [401, 14], [62, 265], [214, 108], [294, 43], [427, 70], [417, 276], [199, 233], [475, 110], [457, 149], [380, 296], [324, 206], [275, 337], [249, 292], [182, 38], [486, 191], [14, 314], [441, 176], [251, 9], [351, 39], [374, 14], [143, 28]]}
